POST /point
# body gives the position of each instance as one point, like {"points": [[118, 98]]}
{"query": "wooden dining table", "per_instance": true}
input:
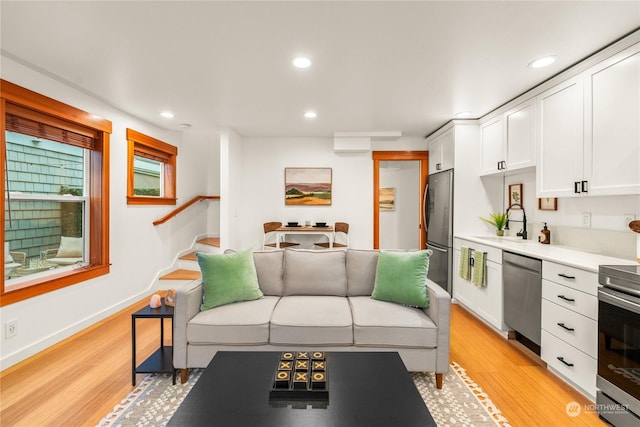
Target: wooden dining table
{"points": [[304, 230]]}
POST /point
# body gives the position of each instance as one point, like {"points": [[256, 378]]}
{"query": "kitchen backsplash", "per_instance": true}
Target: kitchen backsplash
{"points": [[619, 244]]}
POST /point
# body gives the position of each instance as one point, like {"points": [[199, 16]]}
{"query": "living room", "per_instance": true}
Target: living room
{"points": [[245, 169]]}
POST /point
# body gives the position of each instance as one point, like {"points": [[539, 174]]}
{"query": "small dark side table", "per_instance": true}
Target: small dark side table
{"points": [[161, 361]]}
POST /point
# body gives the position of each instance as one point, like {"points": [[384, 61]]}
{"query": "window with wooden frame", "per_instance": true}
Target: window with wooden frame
{"points": [[55, 162], [151, 168]]}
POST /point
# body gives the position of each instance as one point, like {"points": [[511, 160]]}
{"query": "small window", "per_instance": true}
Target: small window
{"points": [[151, 169]]}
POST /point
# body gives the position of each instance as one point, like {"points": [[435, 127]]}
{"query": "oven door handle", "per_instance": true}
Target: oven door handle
{"points": [[608, 297]]}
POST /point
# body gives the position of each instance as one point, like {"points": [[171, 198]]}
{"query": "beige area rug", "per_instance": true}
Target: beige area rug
{"points": [[461, 402]]}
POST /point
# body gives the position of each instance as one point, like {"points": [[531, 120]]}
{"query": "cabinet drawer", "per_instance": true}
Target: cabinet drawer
{"points": [[570, 298], [582, 280], [577, 330], [570, 362]]}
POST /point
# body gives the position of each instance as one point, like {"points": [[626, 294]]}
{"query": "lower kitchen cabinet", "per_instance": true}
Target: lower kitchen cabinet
{"points": [[484, 301], [570, 324]]}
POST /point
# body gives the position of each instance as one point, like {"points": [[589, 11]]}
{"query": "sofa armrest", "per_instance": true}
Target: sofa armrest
{"points": [[439, 311], [187, 305]]}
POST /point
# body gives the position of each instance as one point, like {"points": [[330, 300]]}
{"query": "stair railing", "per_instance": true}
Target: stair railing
{"points": [[179, 209]]}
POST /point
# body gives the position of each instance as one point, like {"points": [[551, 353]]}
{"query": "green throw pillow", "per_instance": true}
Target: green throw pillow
{"points": [[228, 278], [401, 277]]}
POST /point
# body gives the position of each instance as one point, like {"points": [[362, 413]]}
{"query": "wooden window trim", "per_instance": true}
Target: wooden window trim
{"points": [[139, 143], [13, 95]]}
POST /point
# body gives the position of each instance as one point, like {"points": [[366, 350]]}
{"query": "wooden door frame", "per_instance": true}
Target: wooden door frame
{"points": [[378, 156]]}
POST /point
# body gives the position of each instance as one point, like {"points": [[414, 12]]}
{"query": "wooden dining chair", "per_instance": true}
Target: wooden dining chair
{"points": [[268, 240], [340, 236]]}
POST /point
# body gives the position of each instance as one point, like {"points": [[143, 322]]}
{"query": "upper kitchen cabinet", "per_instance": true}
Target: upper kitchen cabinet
{"points": [[612, 125], [441, 152], [508, 141], [589, 136], [560, 139], [492, 159]]}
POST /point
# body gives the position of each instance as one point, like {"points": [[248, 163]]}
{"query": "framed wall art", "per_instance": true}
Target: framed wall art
{"points": [[387, 197], [515, 195], [548, 203], [307, 186]]}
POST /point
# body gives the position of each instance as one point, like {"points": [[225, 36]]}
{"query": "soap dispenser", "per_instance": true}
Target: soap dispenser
{"points": [[545, 235]]}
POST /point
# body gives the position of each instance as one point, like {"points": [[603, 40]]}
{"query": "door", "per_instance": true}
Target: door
{"points": [[439, 262], [418, 226]]}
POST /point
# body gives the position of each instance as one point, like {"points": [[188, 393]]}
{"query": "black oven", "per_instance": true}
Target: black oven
{"points": [[618, 381]]}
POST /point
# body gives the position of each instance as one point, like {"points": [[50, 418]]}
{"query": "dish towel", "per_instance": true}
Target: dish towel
{"points": [[479, 268], [465, 270]]}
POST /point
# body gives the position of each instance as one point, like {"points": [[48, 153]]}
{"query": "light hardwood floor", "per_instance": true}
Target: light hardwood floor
{"points": [[78, 381]]}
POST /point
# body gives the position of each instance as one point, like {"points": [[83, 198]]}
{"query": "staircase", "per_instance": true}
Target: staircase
{"points": [[186, 268]]}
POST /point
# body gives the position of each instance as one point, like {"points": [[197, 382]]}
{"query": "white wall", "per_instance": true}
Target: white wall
{"points": [[138, 250], [262, 199], [399, 229]]}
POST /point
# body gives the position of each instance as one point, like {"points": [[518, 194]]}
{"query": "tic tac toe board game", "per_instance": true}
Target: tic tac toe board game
{"points": [[301, 375]]}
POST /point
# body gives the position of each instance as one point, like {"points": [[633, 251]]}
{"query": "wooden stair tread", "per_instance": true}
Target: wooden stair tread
{"points": [[181, 274], [211, 241], [191, 256]]}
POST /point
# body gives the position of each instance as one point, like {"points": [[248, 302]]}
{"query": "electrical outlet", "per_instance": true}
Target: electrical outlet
{"points": [[627, 219], [10, 328], [586, 219]]}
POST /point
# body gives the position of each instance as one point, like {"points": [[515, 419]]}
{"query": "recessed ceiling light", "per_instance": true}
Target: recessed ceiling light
{"points": [[542, 62], [310, 114], [167, 114], [302, 62], [462, 114]]}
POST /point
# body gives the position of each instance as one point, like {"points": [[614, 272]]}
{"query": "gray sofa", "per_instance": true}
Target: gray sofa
{"points": [[313, 300]]}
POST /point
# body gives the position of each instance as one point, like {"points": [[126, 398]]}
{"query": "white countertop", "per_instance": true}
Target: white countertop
{"points": [[560, 254]]}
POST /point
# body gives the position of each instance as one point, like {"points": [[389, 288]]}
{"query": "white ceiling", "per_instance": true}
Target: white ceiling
{"points": [[377, 66]]}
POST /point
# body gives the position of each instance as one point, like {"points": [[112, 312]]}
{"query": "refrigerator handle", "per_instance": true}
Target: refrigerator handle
{"points": [[425, 208]]}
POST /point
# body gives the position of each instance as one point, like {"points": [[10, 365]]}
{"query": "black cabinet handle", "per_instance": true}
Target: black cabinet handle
{"points": [[566, 299], [560, 358], [576, 187], [499, 165], [567, 277], [563, 326], [585, 188], [438, 166]]}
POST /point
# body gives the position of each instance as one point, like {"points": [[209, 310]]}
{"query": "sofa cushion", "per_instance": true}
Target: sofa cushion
{"points": [[308, 272], [361, 271], [244, 322], [312, 320], [227, 278], [401, 277], [380, 323], [270, 269]]}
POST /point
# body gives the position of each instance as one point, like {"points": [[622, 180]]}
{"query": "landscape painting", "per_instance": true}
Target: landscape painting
{"points": [[307, 186], [387, 197]]}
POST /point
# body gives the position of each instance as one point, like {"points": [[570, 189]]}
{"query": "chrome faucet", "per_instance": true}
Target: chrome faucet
{"points": [[523, 232]]}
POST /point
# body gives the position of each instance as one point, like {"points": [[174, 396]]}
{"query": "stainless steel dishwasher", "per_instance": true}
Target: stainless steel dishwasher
{"points": [[522, 292]]}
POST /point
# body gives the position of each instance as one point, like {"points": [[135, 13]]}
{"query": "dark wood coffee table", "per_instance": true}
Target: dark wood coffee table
{"points": [[365, 389]]}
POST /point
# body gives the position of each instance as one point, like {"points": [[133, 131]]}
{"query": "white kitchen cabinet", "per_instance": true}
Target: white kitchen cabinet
{"points": [[492, 158], [560, 139], [612, 132], [589, 140], [570, 323], [484, 301], [508, 141], [520, 135], [441, 152]]}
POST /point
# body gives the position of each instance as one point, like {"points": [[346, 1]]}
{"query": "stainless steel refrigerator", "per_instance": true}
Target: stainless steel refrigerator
{"points": [[438, 207]]}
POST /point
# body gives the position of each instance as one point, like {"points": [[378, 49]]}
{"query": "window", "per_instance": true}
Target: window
{"points": [[54, 160], [151, 170]]}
